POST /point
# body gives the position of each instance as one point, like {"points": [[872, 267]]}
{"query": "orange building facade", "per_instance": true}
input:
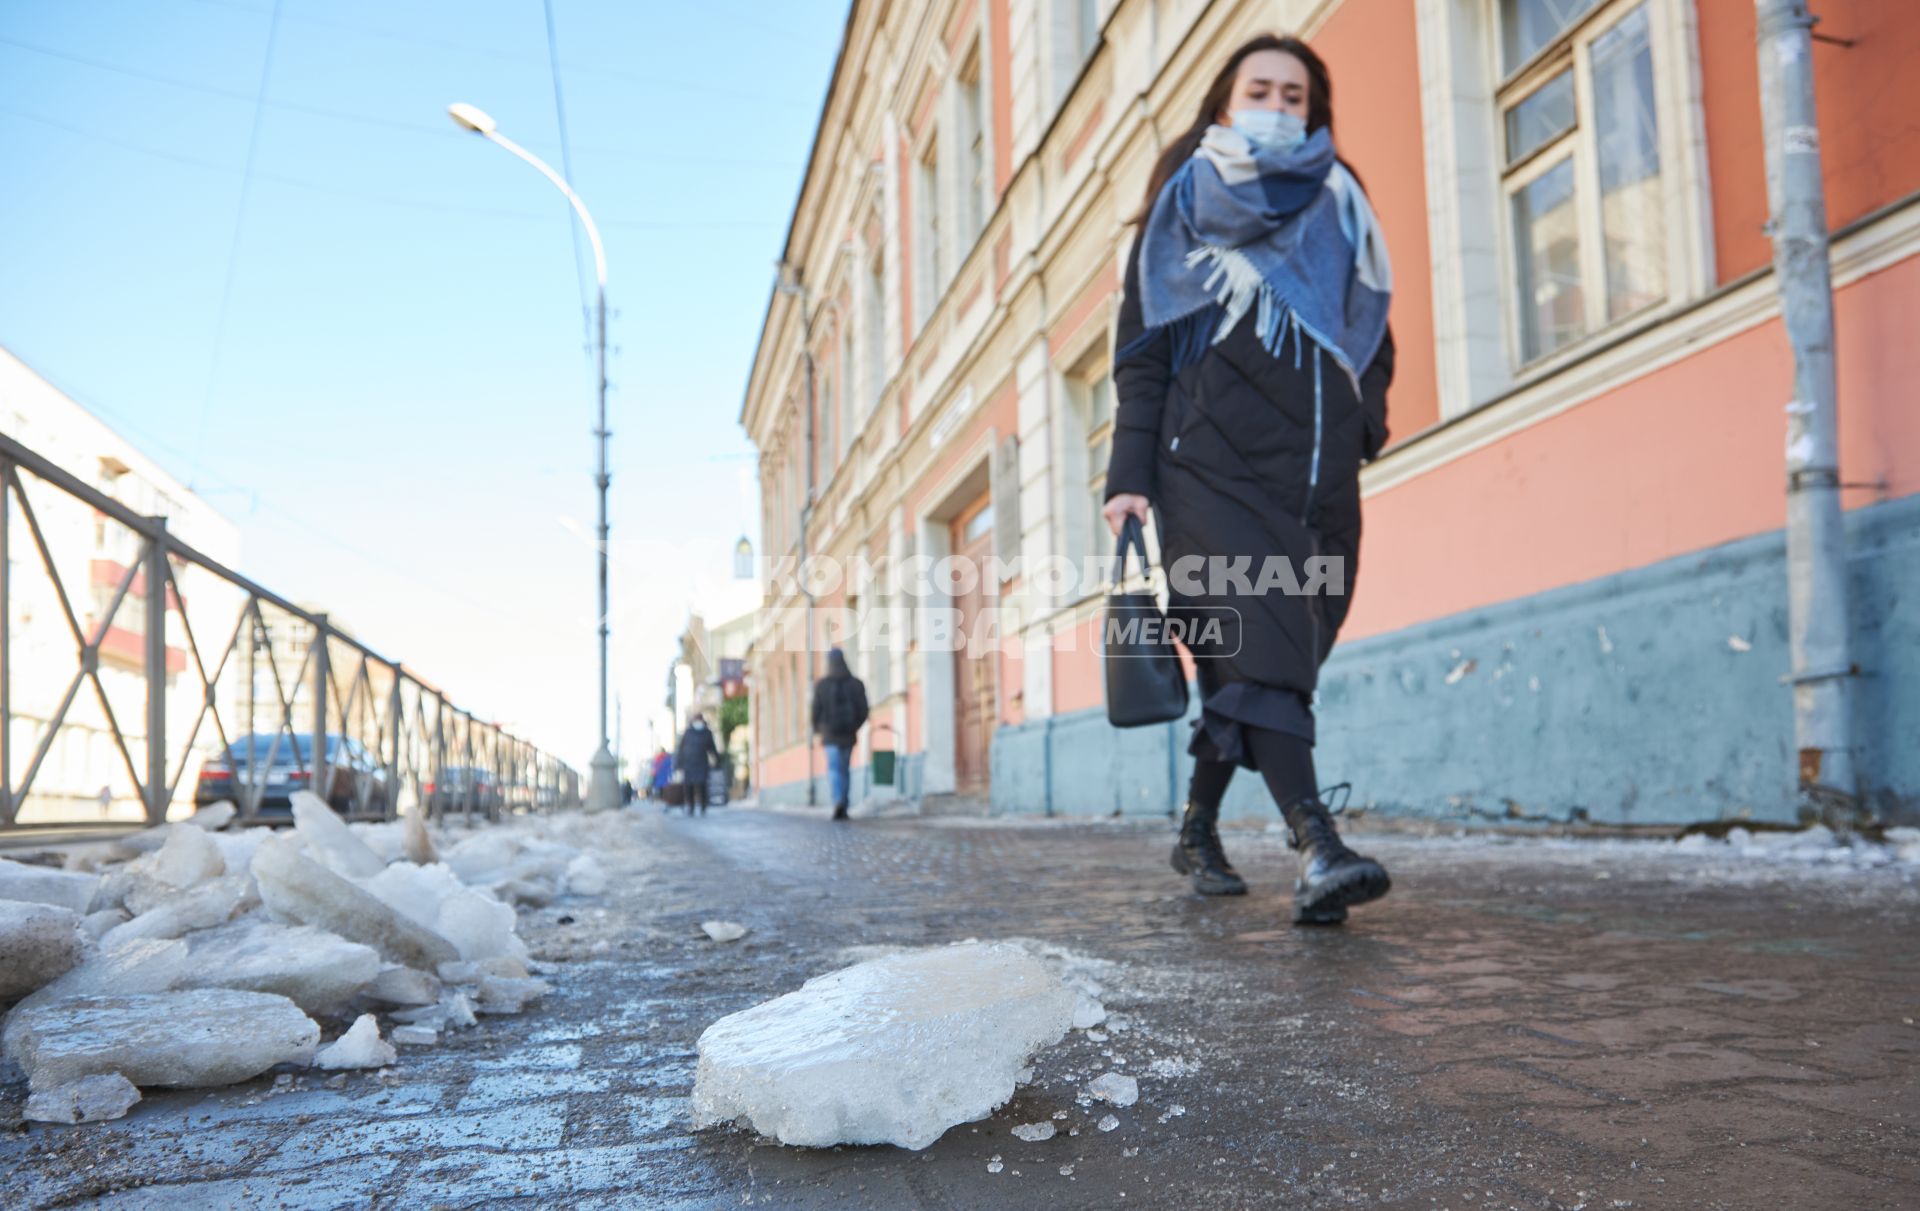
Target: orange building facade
{"points": [[1571, 602]]}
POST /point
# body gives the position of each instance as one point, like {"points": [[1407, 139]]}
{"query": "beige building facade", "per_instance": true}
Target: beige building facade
{"points": [[1586, 408]]}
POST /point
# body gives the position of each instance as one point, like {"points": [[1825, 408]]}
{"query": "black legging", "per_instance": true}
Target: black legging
{"points": [[1285, 761]]}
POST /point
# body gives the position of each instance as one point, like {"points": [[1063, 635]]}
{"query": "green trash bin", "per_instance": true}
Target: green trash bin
{"points": [[880, 761]]}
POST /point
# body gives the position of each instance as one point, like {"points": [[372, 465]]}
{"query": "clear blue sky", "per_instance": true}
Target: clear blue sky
{"points": [[395, 409]]}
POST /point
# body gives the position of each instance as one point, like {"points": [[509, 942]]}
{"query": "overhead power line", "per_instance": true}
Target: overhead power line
{"points": [[239, 222], [566, 167]]}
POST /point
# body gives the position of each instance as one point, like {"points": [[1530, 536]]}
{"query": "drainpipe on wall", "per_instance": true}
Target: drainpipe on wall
{"points": [[1819, 623]]}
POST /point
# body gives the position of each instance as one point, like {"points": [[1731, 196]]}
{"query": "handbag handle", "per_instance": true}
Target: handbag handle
{"points": [[1131, 535]]}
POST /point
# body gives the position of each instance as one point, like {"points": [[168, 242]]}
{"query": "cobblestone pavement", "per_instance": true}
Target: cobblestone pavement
{"points": [[1531, 1024]]}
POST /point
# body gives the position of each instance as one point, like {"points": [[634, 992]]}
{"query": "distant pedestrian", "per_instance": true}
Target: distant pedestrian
{"points": [[626, 791], [661, 775], [839, 712], [1255, 236], [698, 754]]}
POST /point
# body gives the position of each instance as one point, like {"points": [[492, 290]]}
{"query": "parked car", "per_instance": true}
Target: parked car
{"points": [[280, 765], [464, 787]]}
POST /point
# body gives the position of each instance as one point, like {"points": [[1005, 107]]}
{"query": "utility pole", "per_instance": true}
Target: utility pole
{"points": [[603, 789], [1819, 622]]}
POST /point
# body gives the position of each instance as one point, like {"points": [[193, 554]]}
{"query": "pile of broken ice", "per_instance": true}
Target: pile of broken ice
{"points": [[189, 956]]}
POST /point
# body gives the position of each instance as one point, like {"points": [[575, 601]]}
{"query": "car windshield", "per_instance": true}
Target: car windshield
{"points": [[256, 747]]}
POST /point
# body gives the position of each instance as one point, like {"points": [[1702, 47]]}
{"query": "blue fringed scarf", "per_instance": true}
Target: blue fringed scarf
{"points": [[1287, 234]]}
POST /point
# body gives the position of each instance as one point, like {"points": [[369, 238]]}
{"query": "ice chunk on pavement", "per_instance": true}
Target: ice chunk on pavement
{"points": [[1115, 1088], [91, 1099], [504, 994], [479, 926], [1033, 1133], [98, 923], [316, 970], [237, 848], [142, 965], [416, 1035], [404, 986], [1088, 1013], [203, 1036], [360, 1047], [214, 816], [201, 907], [416, 843], [44, 885], [516, 868], [330, 840], [383, 838], [1108, 1122], [1905, 842], [585, 876], [38, 944], [724, 931], [189, 857], [894, 1050], [296, 888], [459, 1009]]}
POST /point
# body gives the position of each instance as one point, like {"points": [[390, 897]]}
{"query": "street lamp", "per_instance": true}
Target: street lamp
{"points": [[603, 791]]}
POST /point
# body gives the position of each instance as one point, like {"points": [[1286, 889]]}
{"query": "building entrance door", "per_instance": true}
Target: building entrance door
{"points": [[975, 705]]}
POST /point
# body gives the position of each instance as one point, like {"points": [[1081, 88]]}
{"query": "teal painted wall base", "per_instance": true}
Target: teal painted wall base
{"points": [[1649, 697]]}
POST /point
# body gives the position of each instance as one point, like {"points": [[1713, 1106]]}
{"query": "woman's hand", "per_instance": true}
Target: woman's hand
{"points": [[1122, 506]]}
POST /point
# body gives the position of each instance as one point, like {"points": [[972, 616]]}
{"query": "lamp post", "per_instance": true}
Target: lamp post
{"points": [[603, 790]]}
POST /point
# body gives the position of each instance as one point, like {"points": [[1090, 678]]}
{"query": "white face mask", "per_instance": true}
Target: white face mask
{"points": [[1270, 129]]}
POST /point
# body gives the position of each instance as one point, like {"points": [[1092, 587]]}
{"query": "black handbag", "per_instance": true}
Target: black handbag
{"points": [[1145, 683]]}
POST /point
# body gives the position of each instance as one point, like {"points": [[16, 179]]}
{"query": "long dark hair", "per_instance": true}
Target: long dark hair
{"points": [[1319, 107]]}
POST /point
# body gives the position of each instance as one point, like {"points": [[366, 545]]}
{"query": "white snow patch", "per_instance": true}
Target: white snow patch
{"points": [[724, 931], [1122, 1091]]}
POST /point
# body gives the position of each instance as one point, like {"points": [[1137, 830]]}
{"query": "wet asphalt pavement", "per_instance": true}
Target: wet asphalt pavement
{"points": [[1534, 1024]]}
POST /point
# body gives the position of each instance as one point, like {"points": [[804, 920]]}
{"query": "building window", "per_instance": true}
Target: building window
{"points": [[930, 278], [1581, 170], [873, 327], [1087, 27], [1090, 397], [829, 417], [974, 170], [1076, 35]]}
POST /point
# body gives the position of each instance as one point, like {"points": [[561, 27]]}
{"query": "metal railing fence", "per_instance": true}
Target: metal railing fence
{"points": [[376, 734]]}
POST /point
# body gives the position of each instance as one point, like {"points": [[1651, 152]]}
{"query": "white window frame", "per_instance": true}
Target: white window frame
{"points": [[929, 252], [1470, 234], [873, 328], [1572, 50], [1088, 362], [1071, 43], [973, 168]]}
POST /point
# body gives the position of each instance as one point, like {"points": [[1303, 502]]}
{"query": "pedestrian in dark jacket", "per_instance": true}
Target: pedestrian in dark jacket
{"points": [[1251, 367], [697, 756], [839, 711]]}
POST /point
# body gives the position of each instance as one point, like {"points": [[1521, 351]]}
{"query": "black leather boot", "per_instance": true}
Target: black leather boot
{"points": [[1332, 877], [1198, 853]]}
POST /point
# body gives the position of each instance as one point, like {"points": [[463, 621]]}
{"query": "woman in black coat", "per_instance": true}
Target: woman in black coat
{"points": [[1251, 368]]}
